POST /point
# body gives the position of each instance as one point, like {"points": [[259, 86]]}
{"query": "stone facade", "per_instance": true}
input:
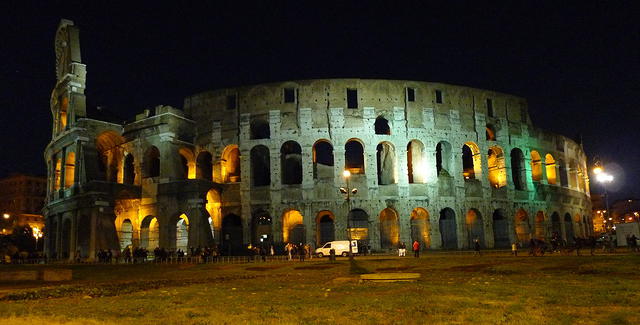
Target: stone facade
{"points": [[435, 162], [21, 201]]}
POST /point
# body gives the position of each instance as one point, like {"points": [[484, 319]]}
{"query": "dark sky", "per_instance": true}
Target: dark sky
{"points": [[578, 66]]}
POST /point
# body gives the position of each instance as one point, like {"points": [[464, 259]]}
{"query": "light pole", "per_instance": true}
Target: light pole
{"points": [[37, 234], [348, 191], [603, 178]]}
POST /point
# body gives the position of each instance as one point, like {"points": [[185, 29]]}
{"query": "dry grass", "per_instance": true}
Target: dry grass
{"points": [[453, 290]]}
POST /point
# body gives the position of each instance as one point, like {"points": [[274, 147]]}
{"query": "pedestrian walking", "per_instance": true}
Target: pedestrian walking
{"points": [[402, 249], [514, 249], [476, 246], [416, 249]]}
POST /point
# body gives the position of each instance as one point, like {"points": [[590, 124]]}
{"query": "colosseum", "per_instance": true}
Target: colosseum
{"points": [[428, 161]]}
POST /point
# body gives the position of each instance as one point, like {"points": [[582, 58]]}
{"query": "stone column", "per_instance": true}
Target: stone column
{"points": [[73, 236]]}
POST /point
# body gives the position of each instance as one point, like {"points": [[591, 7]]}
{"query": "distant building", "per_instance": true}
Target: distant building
{"points": [[21, 201]]}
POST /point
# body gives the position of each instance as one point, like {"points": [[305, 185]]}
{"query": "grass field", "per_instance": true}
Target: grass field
{"points": [[453, 289]]}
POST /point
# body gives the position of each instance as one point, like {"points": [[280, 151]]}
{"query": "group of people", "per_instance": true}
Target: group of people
{"points": [[300, 250], [402, 249]]}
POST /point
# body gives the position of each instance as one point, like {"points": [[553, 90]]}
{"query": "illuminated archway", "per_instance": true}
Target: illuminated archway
{"points": [[536, 166], [126, 234], [213, 207], [261, 223], [69, 169], [471, 161], [187, 164], [475, 227], [386, 159], [443, 158], [420, 227], [522, 227], [415, 162], [231, 164], [540, 227], [550, 168], [293, 230], [496, 165], [389, 229], [110, 154], [149, 233]]}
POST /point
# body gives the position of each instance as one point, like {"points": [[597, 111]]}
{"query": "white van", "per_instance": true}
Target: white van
{"points": [[341, 247]]}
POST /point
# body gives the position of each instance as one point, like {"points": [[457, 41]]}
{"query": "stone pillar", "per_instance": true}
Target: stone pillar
{"points": [[73, 236], [92, 234]]}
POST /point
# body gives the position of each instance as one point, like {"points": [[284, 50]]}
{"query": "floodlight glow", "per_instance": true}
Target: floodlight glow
{"points": [[346, 173]]}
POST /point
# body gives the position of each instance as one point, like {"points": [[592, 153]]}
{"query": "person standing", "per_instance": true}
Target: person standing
{"points": [[514, 249], [476, 246], [416, 249]]}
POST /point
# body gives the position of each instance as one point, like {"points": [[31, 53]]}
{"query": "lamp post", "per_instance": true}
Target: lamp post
{"points": [[348, 192], [603, 178], [37, 234]]}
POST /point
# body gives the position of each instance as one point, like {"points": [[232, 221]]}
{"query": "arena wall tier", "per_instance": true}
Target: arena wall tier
{"points": [[265, 164]]}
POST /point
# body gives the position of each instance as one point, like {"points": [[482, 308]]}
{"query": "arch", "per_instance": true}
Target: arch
{"points": [[540, 232], [129, 171], [57, 174], [291, 163], [381, 126], [443, 158], [569, 233], [260, 129], [230, 168], [550, 168], [522, 227], [204, 165], [354, 156], [420, 227], [500, 229], [415, 162], [108, 144], [448, 229], [187, 165], [358, 225], [581, 175], [260, 166], [125, 234], [232, 235], [293, 230], [325, 227], [213, 207], [389, 229], [323, 160], [536, 166], [65, 239], [562, 170], [475, 227], [151, 162], [471, 161], [490, 133], [261, 228], [69, 169], [182, 233], [517, 169], [556, 225], [386, 159], [496, 166], [149, 233]]}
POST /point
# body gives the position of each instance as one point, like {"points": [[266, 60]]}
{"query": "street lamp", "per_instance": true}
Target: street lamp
{"points": [[348, 192], [603, 178], [37, 234], [6, 216]]}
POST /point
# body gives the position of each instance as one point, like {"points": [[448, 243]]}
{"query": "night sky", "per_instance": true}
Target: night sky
{"points": [[578, 66]]}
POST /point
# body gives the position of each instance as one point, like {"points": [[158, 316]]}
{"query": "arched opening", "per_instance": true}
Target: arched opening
{"points": [[261, 229], [204, 166], [323, 160], [500, 230], [182, 233], [522, 227], [260, 166], [126, 234], [152, 162], [475, 227], [358, 225], [53, 238], [69, 169], [490, 133], [65, 240], [291, 163], [382, 126], [354, 156], [420, 227], [448, 227], [497, 170], [62, 113], [389, 229], [556, 227], [260, 129], [231, 164], [84, 235], [536, 166], [415, 162], [57, 174], [129, 171], [149, 233], [232, 235], [550, 167], [471, 161], [540, 228], [213, 207], [293, 230], [568, 228], [582, 184], [517, 169], [564, 182], [443, 158], [386, 158], [108, 145], [325, 225], [187, 159], [184, 167]]}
